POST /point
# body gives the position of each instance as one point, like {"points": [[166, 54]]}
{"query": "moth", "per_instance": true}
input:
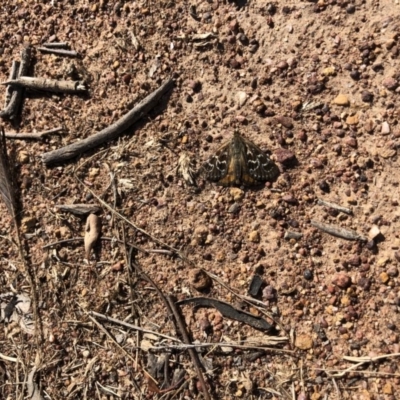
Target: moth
{"points": [[239, 162]]}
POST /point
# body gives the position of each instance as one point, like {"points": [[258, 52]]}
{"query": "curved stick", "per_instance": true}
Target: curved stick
{"points": [[111, 132]]}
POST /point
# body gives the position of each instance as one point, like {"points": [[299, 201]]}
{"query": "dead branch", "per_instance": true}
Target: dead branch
{"points": [[193, 354], [33, 136], [338, 231], [111, 132], [13, 74], [59, 52], [16, 98], [127, 325], [48, 85], [335, 206]]}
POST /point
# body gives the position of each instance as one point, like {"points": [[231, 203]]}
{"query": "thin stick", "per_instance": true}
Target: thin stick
{"points": [[143, 275], [16, 98], [8, 358], [56, 45], [111, 132], [34, 136], [360, 361], [80, 209], [48, 85], [127, 325], [220, 344], [345, 210], [103, 329], [338, 231], [102, 238], [59, 52], [193, 354], [13, 74], [158, 241]]}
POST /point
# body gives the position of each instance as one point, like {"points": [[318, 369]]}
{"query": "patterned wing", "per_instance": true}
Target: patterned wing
{"points": [[217, 166], [260, 167]]}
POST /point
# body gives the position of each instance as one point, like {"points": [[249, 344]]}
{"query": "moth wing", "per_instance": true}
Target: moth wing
{"points": [[216, 167], [259, 166]]}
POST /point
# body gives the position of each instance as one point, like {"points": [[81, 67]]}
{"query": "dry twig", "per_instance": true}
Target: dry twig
{"points": [[59, 52], [193, 354], [111, 132], [78, 209], [127, 325], [335, 206], [360, 361], [48, 85], [34, 136], [16, 98], [338, 231], [13, 74], [56, 45]]}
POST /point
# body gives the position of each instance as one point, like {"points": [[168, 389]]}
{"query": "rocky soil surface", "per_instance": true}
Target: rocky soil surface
{"points": [[315, 84]]}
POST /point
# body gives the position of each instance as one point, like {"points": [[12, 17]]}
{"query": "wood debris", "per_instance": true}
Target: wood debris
{"points": [[49, 85], [60, 52], [227, 310], [14, 104], [338, 231], [79, 209], [92, 233], [111, 132], [335, 206]]}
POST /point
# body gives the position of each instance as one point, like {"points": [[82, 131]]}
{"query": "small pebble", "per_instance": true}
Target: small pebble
{"points": [[199, 279], [284, 156], [342, 280], [304, 342], [308, 275], [234, 63], [254, 236], [385, 128], [285, 121], [384, 277], [289, 199], [350, 141], [352, 119], [269, 293], [355, 261], [323, 185], [392, 271], [283, 65], [341, 100], [236, 193], [355, 75], [374, 232], [234, 208], [366, 96], [390, 83], [234, 25]]}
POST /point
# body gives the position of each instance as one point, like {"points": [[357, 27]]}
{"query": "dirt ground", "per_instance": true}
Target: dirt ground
{"points": [[314, 84]]}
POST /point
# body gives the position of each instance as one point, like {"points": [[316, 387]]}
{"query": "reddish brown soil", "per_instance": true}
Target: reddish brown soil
{"points": [[287, 62]]}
